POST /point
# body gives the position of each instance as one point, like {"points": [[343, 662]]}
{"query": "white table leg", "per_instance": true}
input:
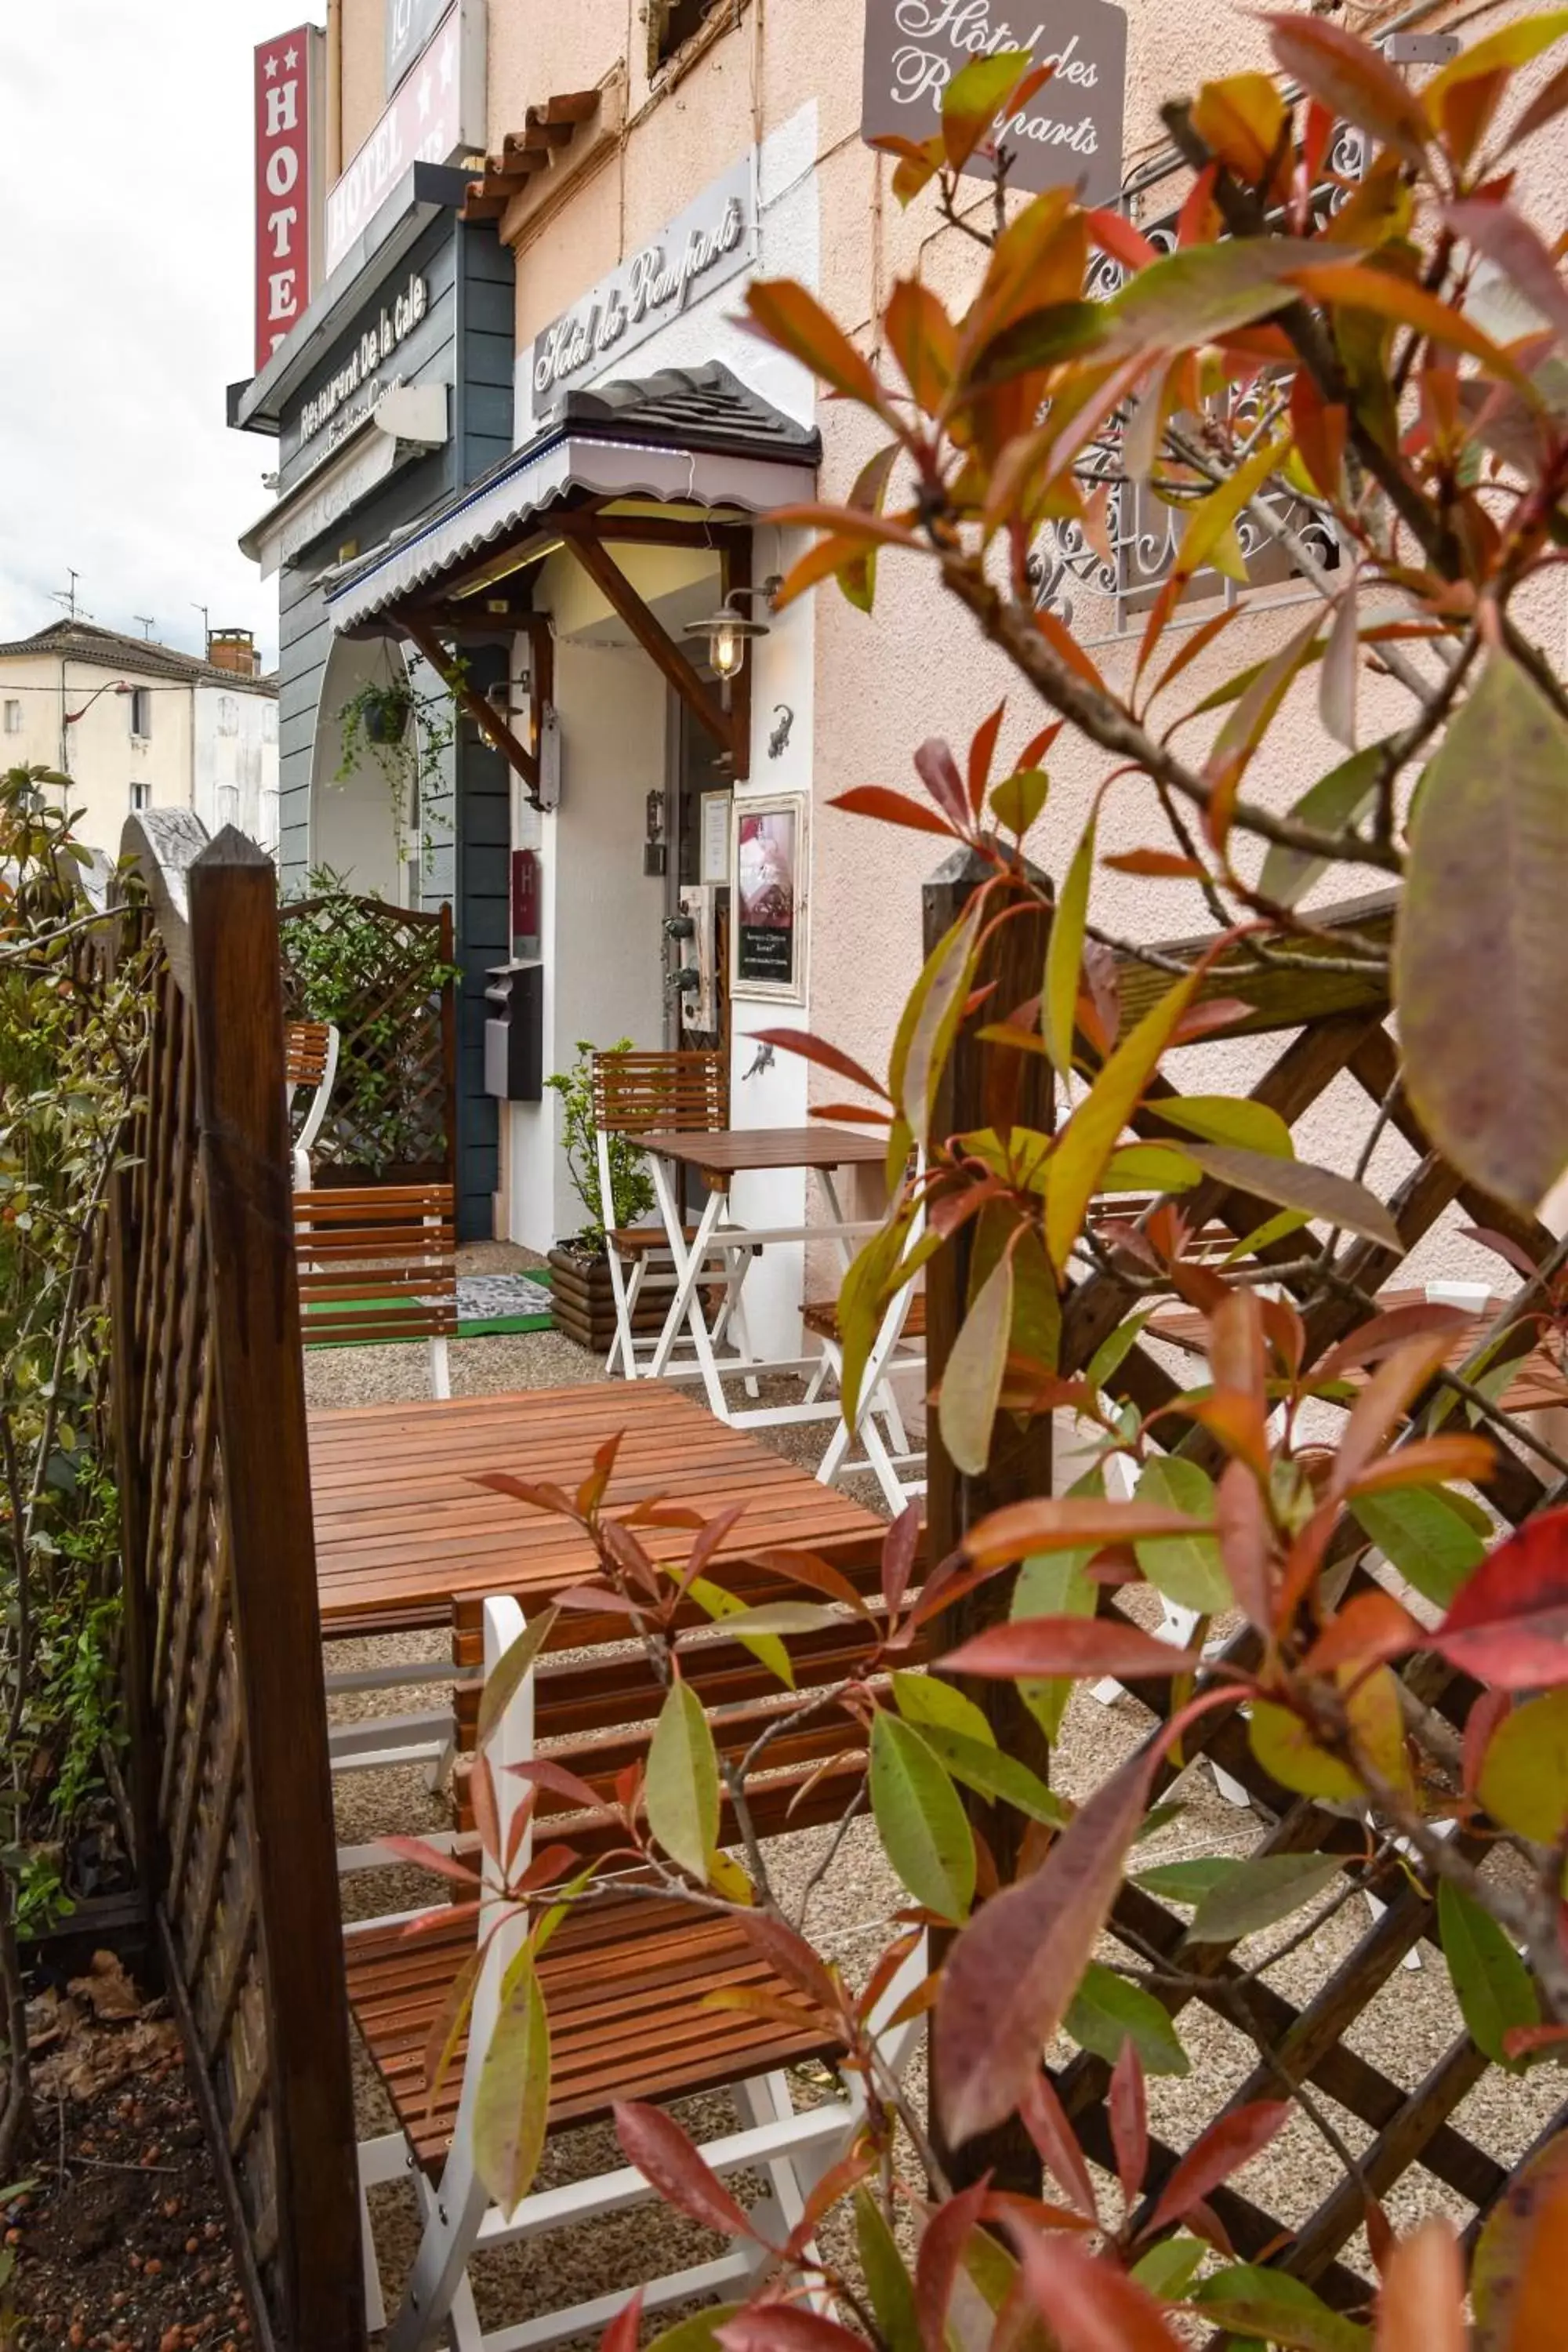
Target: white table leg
{"points": [[685, 1308]]}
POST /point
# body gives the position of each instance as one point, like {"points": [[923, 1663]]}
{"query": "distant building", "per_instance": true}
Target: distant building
{"points": [[138, 725]]}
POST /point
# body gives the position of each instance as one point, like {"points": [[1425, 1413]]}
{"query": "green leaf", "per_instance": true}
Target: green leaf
{"points": [[683, 1783], [1284, 1746], [888, 2283], [1064, 955], [981, 1764], [1493, 1987], [931, 1019], [1107, 2011], [510, 1672], [1231, 1118], [1149, 1168], [928, 1702], [512, 2107], [972, 1383], [919, 1818], [1274, 2309], [1112, 1354], [699, 2333], [1017, 800], [1095, 1128], [1421, 1532], [1190, 297], [1187, 1569], [1055, 1584], [975, 97], [1293, 1184], [1487, 1065], [1185, 1881], [1169, 2269], [1516, 2239], [1335, 800], [1256, 1894], [766, 1648], [1524, 1774]]}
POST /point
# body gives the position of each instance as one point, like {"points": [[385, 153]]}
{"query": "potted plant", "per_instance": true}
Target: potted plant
{"points": [[585, 1301], [386, 711]]}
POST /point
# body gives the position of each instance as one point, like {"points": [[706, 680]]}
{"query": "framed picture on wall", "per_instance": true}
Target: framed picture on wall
{"points": [[769, 874]]}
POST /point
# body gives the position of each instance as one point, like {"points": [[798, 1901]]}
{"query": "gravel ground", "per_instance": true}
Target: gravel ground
{"points": [[1406, 2030]]}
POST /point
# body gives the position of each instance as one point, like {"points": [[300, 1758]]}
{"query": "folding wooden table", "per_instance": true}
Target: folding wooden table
{"points": [[718, 1158]]}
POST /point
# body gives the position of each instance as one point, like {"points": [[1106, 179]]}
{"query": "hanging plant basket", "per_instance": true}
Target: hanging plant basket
{"points": [[386, 713]]}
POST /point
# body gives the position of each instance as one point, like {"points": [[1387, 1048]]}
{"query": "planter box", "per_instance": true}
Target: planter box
{"points": [[586, 1304]]}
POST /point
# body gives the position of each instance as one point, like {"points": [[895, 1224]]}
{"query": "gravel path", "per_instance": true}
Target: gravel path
{"points": [[1404, 2030]]}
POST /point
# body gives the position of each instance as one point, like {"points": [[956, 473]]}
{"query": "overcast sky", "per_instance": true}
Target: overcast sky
{"points": [[125, 308]]}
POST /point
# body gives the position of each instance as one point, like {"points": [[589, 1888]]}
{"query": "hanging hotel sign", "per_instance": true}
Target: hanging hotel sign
{"points": [[438, 113], [1069, 134], [710, 243], [289, 83], [409, 24]]}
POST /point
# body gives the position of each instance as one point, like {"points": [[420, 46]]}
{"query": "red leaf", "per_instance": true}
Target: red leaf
{"points": [[891, 808], [1066, 1523], [982, 753], [1368, 1631], [1501, 1247], [794, 1957], [1223, 2149], [539, 1498], [1012, 1972], [1507, 1626], [625, 2331], [1481, 1723], [1426, 1462], [1382, 1405], [1130, 2120], [1044, 2118], [1089, 2306], [1160, 865], [941, 2251], [898, 1557], [543, 1774], [1352, 78], [1244, 1543], [938, 771], [783, 2327], [816, 1049], [431, 1858], [595, 1486], [1385, 1333], [1116, 235], [670, 2163], [1042, 1647], [819, 1575], [549, 1865]]}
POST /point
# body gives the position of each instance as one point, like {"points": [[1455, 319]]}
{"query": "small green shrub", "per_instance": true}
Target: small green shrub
{"points": [[629, 1180]]}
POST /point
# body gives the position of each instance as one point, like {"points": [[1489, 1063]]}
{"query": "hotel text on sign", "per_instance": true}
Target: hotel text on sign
{"points": [[285, 72], [1069, 134]]}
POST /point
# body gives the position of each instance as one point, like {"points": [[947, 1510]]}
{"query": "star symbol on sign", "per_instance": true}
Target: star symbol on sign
{"points": [[291, 59], [271, 69], [448, 60], [424, 96]]}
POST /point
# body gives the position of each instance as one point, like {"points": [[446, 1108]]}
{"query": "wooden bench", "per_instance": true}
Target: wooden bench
{"points": [[310, 1050], [624, 1982]]}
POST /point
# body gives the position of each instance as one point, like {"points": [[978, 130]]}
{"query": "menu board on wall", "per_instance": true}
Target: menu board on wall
{"points": [[1068, 135], [769, 884]]}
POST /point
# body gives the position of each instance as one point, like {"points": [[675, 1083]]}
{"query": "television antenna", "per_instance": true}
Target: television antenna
{"points": [[68, 599], [206, 627], [148, 623]]}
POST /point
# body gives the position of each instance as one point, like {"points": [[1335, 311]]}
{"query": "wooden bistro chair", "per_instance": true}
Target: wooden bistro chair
{"points": [[379, 1266], [648, 1094], [623, 1980], [311, 1059]]}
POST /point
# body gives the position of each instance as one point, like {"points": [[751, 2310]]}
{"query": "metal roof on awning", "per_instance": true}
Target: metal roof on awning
{"points": [[696, 436]]}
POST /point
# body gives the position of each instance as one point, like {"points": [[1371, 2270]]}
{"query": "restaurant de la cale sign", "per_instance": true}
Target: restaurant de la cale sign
{"points": [[1071, 132], [710, 243]]}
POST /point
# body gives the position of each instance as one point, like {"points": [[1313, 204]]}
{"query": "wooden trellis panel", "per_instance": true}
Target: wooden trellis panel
{"points": [[1330, 1027], [394, 1115], [228, 1763]]}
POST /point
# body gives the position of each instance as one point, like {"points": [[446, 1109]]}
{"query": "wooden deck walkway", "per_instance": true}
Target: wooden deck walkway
{"points": [[404, 1532]]}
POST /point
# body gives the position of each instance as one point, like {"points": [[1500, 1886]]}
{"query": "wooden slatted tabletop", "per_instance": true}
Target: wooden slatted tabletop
{"points": [[733, 1151], [403, 1532]]}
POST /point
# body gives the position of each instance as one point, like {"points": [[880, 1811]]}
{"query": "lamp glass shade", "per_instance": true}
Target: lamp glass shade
{"points": [[727, 649]]}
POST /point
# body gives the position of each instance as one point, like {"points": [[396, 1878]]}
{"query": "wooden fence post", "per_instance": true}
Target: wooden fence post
{"points": [[1020, 1464], [236, 990]]}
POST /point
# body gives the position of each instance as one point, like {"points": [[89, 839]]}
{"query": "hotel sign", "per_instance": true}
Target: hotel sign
{"points": [[438, 113], [409, 24], [709, 244], [289, 92], [1068, 135]]}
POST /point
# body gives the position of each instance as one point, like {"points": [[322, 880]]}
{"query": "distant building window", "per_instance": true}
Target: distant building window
{"points": [[12, 717], [269, 722], [228, 714], [672, 23], [141, 712], [228, 805], [141, 798]]}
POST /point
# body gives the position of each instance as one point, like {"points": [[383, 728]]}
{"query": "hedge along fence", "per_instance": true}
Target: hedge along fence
{"points": [[385, 977]]}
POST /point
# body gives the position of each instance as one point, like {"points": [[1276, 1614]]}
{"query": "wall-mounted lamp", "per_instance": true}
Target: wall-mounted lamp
{"points": [[728, 629]]}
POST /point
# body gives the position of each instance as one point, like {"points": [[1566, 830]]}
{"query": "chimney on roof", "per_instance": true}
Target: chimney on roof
{"points": [[233, 650]]}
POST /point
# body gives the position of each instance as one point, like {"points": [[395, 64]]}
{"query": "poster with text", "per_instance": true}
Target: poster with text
{"points": [[768, 883]]}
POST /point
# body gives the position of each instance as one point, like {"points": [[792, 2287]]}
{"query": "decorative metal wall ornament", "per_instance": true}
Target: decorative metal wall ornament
{"points": [[1142, 530], [778, 741]]}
